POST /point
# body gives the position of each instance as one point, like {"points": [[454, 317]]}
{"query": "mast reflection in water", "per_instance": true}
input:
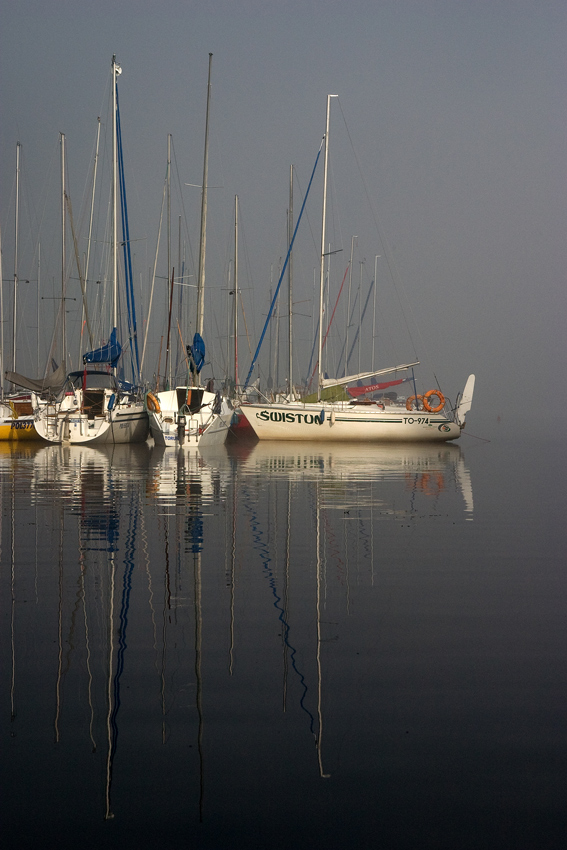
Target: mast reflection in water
{"points": [[259, 646]]}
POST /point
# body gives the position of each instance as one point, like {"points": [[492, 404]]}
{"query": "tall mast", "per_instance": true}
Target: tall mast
{"points": [[168, 207], [348, 301], [322, 265], [37, 302], [376, 258], [85, 315], [63, 256], [116, 71], [235, 293], [1, 322], [16, 249], [92, 201], [290, 281], [203, 242], [361, 263], [167, 374], [89, 241], [180, 278]]}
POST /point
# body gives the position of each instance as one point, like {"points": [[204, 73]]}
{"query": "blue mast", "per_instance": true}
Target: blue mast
{"points": [[132, 329], [274, 299]]}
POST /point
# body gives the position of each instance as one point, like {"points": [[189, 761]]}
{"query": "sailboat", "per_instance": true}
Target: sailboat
{"points": [[96, 407], [420, 418], [180, 417]]}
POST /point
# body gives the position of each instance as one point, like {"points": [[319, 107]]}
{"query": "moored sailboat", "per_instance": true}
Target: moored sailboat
{"points": [[328, 417], [180, 417], [96, 407]]}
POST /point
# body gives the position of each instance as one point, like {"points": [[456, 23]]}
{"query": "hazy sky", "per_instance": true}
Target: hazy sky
{"points": [[450, 128]]}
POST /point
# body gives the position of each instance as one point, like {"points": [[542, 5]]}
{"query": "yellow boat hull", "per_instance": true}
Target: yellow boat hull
{"points": [[15, 430]]}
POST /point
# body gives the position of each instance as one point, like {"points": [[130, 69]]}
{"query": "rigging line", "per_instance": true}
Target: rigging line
{"points": [[396, 279], [314, 346], [245, 324], [330, 321], [48, 179], [26, 212], [242, 238], [183, 206], [364, 309], [153, 277], [316, 246], [134, 355], [253, 363], [223, 363], [183, 347], [82, 279], [128, 283]]}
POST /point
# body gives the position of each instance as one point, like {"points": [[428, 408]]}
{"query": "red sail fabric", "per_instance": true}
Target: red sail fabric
{"points": [[372, 388]]}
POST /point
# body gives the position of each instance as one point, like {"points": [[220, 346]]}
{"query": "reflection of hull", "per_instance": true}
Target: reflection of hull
{"points": [[87, 470], [427, 469], [182, 473], [14, 449], [345, 422], [348, 459]]}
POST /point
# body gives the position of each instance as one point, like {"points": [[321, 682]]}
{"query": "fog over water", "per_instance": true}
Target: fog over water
{"points": [[448, 134]]}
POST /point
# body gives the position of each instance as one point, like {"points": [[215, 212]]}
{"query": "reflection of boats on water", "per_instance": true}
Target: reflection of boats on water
{"points": [[101, 490], [87, 471], [13, 450], [187, 632], [117, 559], [323, 523], [427, 469], [182, 473]]}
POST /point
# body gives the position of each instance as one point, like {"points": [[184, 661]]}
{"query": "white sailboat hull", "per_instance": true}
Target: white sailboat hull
{"points": [[342, 422], [166, 433], [175, 425], [126, 423]]}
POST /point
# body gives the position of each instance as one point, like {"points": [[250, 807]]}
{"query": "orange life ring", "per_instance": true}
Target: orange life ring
{"points": [[411, 399], [152, 403], [429, 394]]}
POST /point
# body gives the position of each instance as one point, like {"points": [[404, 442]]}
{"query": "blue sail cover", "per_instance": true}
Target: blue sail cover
{"points": [[109, 353], [197, 352]]}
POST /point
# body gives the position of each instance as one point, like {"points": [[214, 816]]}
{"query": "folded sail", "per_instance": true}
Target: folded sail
{"points": [[51, 383], [348, 379], [108, 353], [196, 353], [373, 388]]}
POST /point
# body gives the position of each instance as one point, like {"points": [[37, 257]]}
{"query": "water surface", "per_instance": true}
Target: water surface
{"points": [[280, 646]]}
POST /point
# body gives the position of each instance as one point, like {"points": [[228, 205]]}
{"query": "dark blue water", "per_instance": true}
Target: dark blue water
{"points": [[284, 646]]}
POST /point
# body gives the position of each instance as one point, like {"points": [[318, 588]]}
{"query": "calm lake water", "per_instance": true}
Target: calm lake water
{"points": [[284, 646]]}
